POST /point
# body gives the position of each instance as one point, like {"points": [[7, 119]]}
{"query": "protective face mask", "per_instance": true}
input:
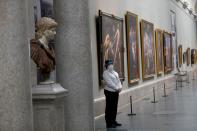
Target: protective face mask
{"points": [[110, 67]]}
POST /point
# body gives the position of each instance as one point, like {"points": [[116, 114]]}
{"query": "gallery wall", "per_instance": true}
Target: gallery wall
{"points": [[155, 11], [186, 27]]}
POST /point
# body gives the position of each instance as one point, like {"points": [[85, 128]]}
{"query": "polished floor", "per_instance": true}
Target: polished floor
{"points": [[177, 112]]}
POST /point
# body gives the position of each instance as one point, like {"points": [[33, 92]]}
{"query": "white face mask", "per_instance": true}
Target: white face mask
{"points": [[110, 67]]}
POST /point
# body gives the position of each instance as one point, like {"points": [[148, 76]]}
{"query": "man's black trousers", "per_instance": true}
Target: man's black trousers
{"points": [[111, 107]]}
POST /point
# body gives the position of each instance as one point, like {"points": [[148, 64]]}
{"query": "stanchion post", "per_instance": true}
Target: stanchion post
{"points": [[164, 90], [176, 85], [131, 106], [188, 82], [188, 79], [193, 76], [154, 101]]}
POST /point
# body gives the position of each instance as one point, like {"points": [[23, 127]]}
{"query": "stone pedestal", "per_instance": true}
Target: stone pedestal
{"points": [[48, 107]]}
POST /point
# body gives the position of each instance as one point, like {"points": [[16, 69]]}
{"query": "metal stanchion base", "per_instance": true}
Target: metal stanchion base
{"points": [[165, 96], [133, 114], [154, 101]]}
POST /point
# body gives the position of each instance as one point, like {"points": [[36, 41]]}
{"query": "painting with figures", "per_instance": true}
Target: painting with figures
{"points": [[159, 50], [110, 42], [180, 55], [148, 49], [167, 38], [132, 47]]}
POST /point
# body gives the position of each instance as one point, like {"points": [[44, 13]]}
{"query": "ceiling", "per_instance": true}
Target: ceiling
{"points": [[192, 4]]}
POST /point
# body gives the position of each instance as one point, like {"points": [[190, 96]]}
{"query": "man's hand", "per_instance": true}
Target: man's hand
{"points": [[120, 89]]}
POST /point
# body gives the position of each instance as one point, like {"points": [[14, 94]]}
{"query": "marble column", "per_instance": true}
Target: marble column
{"points": [[74, 66], [15, 91]]}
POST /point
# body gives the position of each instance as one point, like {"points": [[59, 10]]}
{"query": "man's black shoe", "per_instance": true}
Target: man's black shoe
{"points": [[111, 126], [117, 124]]}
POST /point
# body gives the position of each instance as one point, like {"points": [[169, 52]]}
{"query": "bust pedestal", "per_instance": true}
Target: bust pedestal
{"points": [[48, 107]]}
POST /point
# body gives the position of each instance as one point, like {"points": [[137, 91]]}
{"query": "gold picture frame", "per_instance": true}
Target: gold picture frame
{"points": [[167, 46], [193, 54], [110, 41], [184, 57], [159, 50], [132, 47], [148, 49], [195, 61], [180, 55], [188, 56]]}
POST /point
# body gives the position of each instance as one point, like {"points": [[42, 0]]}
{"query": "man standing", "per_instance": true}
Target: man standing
{"points": [[112, 88]]}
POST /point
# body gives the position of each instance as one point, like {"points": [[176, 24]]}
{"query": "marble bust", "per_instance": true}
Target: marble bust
{"points": [[41, 53]]}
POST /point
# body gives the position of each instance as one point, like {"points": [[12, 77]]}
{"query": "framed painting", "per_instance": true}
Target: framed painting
{"points": [[188, 56], [110, 42], [167, 44], [47, 8], [132, 47], [174, 39], [180, 55], [184, 57], [148, 49], [195, 61], [193, 54], [159, 50], [43, 8]]}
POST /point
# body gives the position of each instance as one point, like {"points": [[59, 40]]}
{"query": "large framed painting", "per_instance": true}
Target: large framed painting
{"points": [[132, 47], [167, 44], [46, 8], [195, 59], [188, 56], [184, 57], [174, 39], [159, 50], [193, 54], [148, 49], [180, 55], [110, 42], [43, 8]]}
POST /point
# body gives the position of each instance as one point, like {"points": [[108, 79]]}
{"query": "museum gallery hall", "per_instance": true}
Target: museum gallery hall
{"points": [[98, 65]]}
